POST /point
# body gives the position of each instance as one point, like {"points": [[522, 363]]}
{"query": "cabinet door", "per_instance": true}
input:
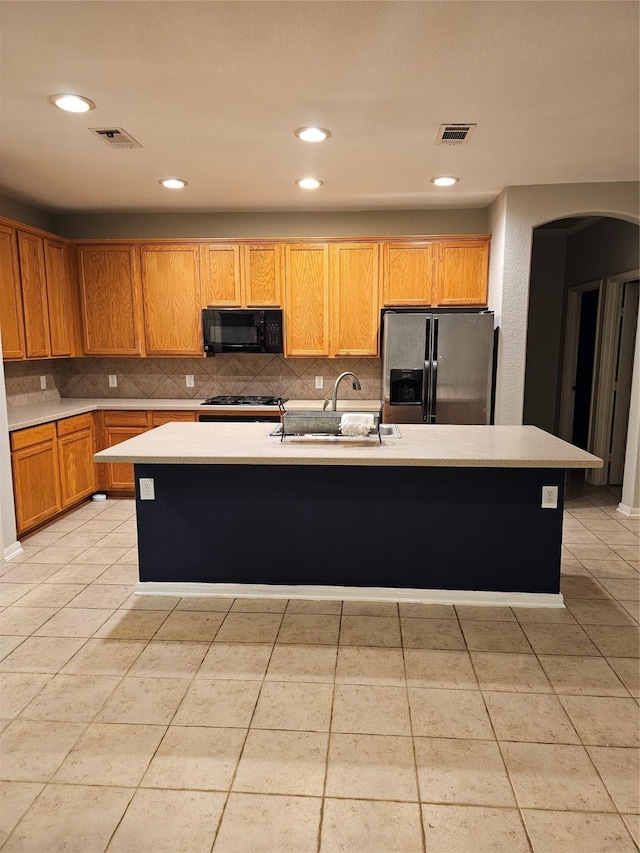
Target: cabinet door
{"points": [[59, 298], [409, 273], [11, 319], [77, 468], [221, 279], [110, 298], [36, 479], [306, 319], [34, 295], [262, 276], [354, 299], [171, 300], [464, 272], [119, 476]]}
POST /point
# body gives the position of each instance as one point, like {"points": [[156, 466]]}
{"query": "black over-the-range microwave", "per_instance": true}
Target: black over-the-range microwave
{"points": [[241, 330]]}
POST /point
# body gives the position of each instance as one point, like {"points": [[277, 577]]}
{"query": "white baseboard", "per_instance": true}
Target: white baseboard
{"points": [[12, 551], [629, 511], [354, 593]]}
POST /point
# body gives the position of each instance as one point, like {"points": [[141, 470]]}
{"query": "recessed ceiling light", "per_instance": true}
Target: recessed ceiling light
{"points": [[72, 103], [308, 183], [444, 181], [173, 183], [312, 134]]}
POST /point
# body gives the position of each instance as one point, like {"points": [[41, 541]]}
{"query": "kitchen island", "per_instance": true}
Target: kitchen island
{"points": [[444, 513]]}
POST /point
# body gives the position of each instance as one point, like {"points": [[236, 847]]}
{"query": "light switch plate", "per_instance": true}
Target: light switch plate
{"points": [[189, 380], [43, 383], [319, 383]]}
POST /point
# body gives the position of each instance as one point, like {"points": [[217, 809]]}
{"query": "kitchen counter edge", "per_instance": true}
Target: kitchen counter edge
{"points": [[34, 414]]}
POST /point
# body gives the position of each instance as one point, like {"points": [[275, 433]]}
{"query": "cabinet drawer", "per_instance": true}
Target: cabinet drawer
{"points": [[159, 418], [74, 424], [124, 419], [33, 435]]}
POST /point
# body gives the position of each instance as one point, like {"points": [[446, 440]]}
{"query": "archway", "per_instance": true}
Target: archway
{"points": [[582, 326]]}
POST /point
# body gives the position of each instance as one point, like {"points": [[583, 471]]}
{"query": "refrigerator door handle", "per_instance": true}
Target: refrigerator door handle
{"points": [[433, 391], [426, 394], [426, 379]]}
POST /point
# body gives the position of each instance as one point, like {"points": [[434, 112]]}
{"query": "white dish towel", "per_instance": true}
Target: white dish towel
{"points": [[360, 423]]}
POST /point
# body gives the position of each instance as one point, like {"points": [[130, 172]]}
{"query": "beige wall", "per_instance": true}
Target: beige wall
{"points": [[271, 225], [19, 212], [606, 248], [545, 329]]}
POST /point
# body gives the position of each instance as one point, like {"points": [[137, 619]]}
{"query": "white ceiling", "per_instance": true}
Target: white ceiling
{"points": [[214, 90]]}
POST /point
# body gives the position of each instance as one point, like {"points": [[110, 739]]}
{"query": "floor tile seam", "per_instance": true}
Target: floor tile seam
{"points": [[242, 748], [518, 798], [605, 787], [23, 638], [330, 731], [601, 776], [423, 835], [81, 722], [31, 805]]}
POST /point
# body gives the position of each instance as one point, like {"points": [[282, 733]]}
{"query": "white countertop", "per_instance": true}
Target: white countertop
{"points": [[427, 446], [32, 414]]}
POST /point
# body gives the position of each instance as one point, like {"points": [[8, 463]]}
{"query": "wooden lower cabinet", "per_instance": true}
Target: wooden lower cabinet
{"points": [[53, 469], [119, 426], [76, 446], [36, 477]]}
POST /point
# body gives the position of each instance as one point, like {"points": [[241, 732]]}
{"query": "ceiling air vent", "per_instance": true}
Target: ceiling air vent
{"points": [[115, 137], [454, 134]]}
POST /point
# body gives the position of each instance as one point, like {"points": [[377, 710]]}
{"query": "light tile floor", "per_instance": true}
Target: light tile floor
{"points": [[202, 724]]}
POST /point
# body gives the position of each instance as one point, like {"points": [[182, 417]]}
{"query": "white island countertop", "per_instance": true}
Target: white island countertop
{"points": [[420, 446]]}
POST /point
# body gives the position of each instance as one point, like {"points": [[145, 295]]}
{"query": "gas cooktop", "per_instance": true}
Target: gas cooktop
{"points": [[239, 400]]}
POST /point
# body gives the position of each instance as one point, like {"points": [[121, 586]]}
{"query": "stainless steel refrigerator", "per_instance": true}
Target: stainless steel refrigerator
{"points": [[437, 367]]}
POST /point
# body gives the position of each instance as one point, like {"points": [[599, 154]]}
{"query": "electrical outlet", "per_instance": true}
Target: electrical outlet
{"points": [[189, 380], [319, 383], [147, 489], [113, 380], [549, 497], [43, 383]]}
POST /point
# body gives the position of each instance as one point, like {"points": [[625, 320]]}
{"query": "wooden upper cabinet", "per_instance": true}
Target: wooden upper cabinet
{"points": [[307, 300], [171, 300], [110, 299], [409, 273], [60, 297], [354, 299], [221, 277], [34, 295], [11, 319], [242, 276], [464, 270], [261, 268]]}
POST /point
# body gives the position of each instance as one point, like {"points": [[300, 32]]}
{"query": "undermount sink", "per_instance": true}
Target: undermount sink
{"points": [[386, 431]]}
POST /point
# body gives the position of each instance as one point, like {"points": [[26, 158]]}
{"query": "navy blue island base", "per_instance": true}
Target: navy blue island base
{"points": [[433, 528]]}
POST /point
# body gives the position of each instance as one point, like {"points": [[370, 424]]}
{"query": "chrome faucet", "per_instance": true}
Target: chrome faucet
{"points": [[355, 382]]}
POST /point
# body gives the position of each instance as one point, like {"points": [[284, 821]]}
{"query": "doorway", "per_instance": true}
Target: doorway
{"points": [[600, 338], [585, 360]]}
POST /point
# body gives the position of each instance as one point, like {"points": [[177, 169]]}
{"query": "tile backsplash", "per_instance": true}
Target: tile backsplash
{"points": [[22, 380], [164, 378]]}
